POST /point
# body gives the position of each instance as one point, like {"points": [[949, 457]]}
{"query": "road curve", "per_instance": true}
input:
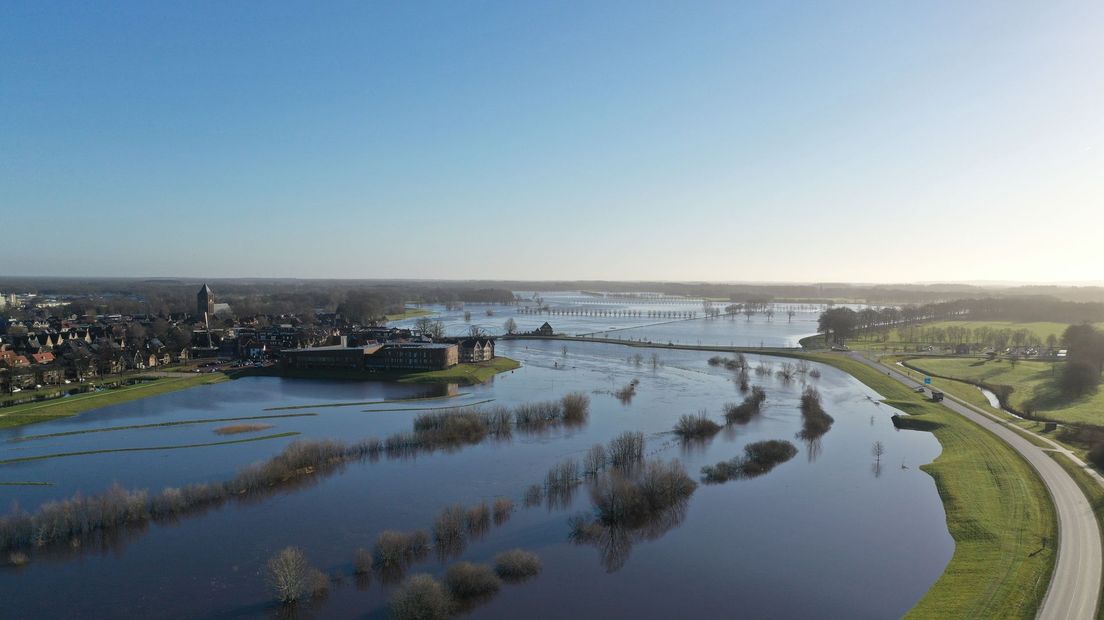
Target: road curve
{"points": [[1075, 583]]}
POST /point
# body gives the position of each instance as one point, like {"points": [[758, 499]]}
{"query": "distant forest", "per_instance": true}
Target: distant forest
{"points": [[364, 299]]}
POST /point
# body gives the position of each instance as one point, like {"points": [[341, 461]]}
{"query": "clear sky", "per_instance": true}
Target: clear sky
{"points": [[785, 141]]}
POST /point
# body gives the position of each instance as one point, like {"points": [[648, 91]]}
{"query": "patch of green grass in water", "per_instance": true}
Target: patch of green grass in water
{"points": [[112, 429], [43, 457]]}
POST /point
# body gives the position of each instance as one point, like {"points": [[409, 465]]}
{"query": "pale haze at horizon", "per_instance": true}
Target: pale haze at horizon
{"points": [[782, 141]]}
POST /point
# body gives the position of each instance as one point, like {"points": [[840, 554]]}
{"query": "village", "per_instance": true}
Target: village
{"points": [[52, 350]]}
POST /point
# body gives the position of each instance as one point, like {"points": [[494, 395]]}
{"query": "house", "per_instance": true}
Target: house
{"points": [[474, 349], [42, 358], [49, 374], [544, 330]]}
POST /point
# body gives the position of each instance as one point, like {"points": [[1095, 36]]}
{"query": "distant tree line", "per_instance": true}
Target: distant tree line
{"points": [[840, 323], [359, 301]]}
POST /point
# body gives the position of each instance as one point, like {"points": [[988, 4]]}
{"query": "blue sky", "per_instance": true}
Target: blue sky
{"points": [[782, 141]]}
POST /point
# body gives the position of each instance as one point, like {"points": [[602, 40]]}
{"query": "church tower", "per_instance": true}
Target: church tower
{"points": [[205, 302]]}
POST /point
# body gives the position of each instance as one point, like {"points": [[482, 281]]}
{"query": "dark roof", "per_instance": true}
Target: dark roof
{"points": [[206, 289]]}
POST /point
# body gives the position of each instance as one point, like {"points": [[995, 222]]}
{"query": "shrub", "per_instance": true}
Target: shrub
{"points": [[451, 427], [517, 565], [534, 495], [576, 408], [362, 562], [538, 416], [18, 558], [626, 450], [759, 458], [750, 407], [696, 427], [620, 500], [421, 597], [594, 460], [395, 549], [449, 527], [564, 475], [743, 379], [478, 519], [502, 508], [466, 580], [290, 576], [815, 421], [1096, 455], [626, 393], [318, 583]]}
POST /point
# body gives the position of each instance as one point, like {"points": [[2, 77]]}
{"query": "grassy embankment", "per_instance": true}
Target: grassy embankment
{"points": [[1033, 384], [409, 313], [30, 413], [998, 511], [462, 374]]}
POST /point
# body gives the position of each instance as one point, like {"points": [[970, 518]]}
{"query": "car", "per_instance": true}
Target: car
{"points": [[919, 390], [14, 390], [67, 382]]}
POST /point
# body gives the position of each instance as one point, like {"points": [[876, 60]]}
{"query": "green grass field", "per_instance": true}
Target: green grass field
{"points": [[461, 374], [899, 339], [464, 374], [1032, 383], [30, 413], [409, 313], [998, 512]]}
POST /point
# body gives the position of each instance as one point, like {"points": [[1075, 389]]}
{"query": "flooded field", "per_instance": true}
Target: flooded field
{"points": [[660, 319], [798, 541]]}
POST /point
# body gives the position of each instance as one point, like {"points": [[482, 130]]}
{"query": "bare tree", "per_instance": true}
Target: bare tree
{"points": [[877, 449], [510, 326], [467, 316]]}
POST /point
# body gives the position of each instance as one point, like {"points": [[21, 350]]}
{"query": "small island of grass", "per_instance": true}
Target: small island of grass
{"points": [[463, 374]]}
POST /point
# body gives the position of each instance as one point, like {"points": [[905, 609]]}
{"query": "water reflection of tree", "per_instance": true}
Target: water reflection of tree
{"points": [[812, 447], [615, 541]]}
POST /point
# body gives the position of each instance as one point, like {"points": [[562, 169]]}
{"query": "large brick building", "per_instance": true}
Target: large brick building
{"points": [[373, 357]]}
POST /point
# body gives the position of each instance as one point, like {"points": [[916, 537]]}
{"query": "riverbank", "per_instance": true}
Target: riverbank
{"points": [[998, 511], [31, 413]]}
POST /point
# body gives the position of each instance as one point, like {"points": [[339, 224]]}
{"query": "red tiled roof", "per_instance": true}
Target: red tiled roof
{"points": [[42, 358]]}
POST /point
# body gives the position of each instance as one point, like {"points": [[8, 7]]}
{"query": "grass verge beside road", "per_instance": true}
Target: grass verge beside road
{"points": [[998, 512]]}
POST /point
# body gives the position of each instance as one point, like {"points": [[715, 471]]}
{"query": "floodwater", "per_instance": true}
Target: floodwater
{"points": [[642, 319], [824, 535]]}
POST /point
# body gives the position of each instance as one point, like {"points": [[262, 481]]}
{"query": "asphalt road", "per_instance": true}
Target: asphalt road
{"points": [[1075, 584]]}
